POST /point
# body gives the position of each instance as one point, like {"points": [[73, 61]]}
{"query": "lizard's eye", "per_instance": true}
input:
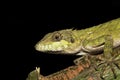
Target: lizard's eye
{"points": [[72, 40], [57, 36]]}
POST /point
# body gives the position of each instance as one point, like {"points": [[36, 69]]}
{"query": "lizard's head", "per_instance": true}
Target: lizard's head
{"points": [[63, 41]]}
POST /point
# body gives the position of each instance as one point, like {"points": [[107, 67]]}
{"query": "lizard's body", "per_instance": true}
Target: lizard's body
{"points": [[90, 40]]}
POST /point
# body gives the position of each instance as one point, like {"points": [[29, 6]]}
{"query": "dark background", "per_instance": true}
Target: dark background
{"points": [[27, 25]]}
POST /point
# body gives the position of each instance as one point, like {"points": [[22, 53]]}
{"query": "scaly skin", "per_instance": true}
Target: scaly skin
{"points": [[103, 37]]}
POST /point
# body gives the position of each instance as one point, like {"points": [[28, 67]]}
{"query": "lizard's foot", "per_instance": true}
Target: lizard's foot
{"points": [[81, 60]]}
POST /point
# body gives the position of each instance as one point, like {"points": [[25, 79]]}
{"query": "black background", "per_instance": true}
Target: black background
{"points": [[27, 25]]}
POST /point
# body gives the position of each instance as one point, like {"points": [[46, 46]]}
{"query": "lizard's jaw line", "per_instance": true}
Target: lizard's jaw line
{"points": [[49, 48]]}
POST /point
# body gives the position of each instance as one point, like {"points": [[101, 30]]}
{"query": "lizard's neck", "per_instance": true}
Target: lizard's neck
{"points": [[81, 34]]}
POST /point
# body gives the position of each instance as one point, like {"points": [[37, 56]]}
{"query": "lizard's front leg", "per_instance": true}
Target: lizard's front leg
{"points": [[103, 43]]}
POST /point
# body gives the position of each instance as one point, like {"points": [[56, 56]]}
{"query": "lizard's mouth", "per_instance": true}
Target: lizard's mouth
{"points": [[45, 48], [56, 46], [64, 49]]}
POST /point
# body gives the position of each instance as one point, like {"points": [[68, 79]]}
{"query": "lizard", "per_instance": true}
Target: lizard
{"points": [[102, 38], [93, 40]]}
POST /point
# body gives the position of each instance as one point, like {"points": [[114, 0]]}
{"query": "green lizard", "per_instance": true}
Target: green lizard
{"points": [[93, 40]]}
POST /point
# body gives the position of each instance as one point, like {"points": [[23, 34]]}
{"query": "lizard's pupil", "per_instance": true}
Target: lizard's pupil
{"points": [[57, 38]]}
